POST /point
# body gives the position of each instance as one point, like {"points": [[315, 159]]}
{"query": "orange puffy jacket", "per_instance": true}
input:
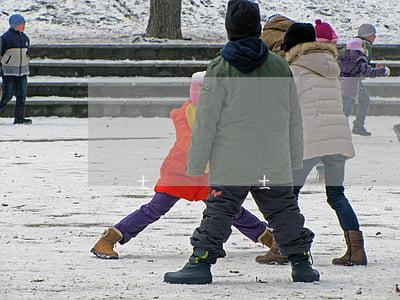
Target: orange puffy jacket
{"points": [[173, 178]]}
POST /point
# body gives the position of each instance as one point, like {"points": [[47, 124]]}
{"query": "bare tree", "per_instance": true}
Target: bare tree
{"points": [[165, 19]]}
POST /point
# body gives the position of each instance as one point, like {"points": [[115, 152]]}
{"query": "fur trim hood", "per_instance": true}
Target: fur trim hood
{"points": [[320, 58]]}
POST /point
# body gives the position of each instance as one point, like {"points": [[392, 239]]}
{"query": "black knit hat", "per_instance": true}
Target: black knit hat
{"points": [[242, 19], [298, 33]]}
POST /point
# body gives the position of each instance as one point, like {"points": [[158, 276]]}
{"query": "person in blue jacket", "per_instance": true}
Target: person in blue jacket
{"points": [[14, 50]]}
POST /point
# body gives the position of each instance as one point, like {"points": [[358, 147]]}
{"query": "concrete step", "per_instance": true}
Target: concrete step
{"points": [[132, 68], [139, 87], [146, 107], [396, 129], [126, 68], [97, 107], [159, 51]]}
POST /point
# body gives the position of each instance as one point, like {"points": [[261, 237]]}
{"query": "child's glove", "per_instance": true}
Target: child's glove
{"points": [[387, 71]]}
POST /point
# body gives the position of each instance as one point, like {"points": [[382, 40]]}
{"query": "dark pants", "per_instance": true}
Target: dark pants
{"points": [[277, 204], [247, 223], [18, 86], [334, 166], [364, 101]]}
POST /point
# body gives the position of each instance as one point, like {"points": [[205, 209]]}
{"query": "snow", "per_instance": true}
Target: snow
{"points": [[50, 218], [122, 21]]}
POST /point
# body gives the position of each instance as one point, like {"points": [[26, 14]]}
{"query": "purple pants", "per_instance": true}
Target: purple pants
{"points": [[137, 221]]}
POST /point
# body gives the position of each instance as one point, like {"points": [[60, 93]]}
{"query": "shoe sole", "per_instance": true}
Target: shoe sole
{"points": [[188, 280], [191, 282], [275, 262], [360, 134], [102, 256], [306, 279]]}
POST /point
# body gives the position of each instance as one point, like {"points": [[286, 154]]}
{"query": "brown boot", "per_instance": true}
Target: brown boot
{"points": [[266, 238], [273, 256], [355, 254], [104, 248]]}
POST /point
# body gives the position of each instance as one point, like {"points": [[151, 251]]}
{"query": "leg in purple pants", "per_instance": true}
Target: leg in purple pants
{"points": [[136, 222], [249, 225], [148, 213]]}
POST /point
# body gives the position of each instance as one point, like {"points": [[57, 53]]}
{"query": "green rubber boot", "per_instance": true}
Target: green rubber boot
{"points": [[302, 270], [196, 271]]}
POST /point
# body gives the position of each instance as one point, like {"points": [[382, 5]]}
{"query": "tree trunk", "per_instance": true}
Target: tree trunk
{"points": [[165, 19]]}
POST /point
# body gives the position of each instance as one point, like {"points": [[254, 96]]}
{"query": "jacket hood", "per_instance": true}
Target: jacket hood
{"points": [[320, 58], [281, 23], [349, 60], [245, 54]]}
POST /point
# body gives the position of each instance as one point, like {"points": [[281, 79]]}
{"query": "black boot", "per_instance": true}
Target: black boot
{"points": [[23, 121], [2, 105], [301, 268], [20, 116], [196, 271], [360, 130]]}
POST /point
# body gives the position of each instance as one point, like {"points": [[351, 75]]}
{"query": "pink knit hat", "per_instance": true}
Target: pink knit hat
{"points": [[195, 86], [355, 44], [325, 32]]}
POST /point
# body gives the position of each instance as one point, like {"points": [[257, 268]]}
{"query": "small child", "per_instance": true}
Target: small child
{"points": [[14, 51], [353, 67], [324, 32], [175, 184]]}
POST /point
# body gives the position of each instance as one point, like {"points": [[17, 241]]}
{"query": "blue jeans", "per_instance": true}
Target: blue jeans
{"points": [[334, 178], [18, 86], [348, 104], [364, 101]]}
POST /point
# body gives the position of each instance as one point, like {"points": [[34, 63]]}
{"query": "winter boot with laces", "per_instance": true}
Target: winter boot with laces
{"points": [[302, 270], [355, 254], [196, 271], [104, 248], [273, 256], [267, 238]]}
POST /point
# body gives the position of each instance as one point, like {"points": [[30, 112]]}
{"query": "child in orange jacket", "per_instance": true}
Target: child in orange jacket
{"points": [[175, 184]]}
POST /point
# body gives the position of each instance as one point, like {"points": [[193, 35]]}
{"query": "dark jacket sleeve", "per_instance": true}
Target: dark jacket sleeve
{"points": [[2, 46], [295, 127], [28, 53], [204, 130], [367, 70]]}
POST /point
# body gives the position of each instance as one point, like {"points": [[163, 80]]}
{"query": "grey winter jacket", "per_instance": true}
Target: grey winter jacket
{"points": [[248, 125], [354, 67]]}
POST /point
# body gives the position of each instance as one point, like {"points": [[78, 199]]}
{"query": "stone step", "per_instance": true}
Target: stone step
{"points": [[126, 68], [133, 68], [139, 87], [157, 51], [145, 107]]}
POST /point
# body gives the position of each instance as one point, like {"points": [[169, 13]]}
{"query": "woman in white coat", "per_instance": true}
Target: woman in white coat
{"points": [[327, 135]]}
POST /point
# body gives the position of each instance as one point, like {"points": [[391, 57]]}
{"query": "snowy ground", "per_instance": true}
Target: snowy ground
{"points": [[50, 218], [122, 21]]}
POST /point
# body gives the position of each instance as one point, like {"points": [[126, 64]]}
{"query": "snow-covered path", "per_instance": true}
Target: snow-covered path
{"points": [[50, 218]]}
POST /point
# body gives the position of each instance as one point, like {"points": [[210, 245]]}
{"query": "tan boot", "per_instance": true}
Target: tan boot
{"points": [[273, 256], [104, 248], [355, 254], [266, 238]]}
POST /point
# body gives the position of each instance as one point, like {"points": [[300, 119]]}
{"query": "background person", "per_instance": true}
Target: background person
{"points": [[14, 49]]}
